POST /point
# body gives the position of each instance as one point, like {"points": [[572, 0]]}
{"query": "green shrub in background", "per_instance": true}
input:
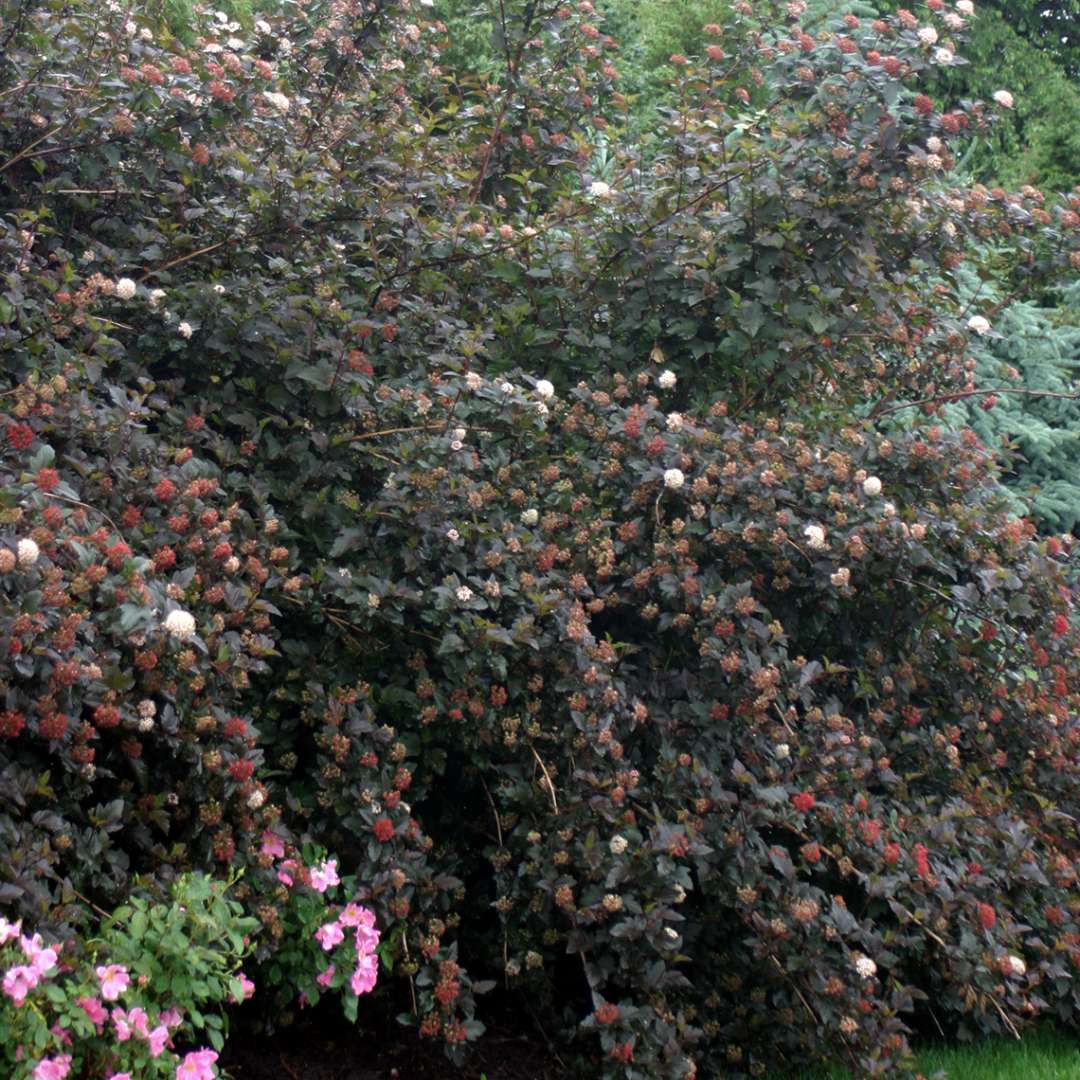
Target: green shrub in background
{"points": [[1034, 349], [379, 480], [1038, 142]]}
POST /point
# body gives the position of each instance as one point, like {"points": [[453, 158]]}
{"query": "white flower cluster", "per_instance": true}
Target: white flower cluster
{"points": [[674, 479], [279, 101], [125, 288], [545, 390], [866, 967], [872, 486], [618, 844], [28, 552], [815, 537], [1004, 98], [180, 624], [667, 380], [978, 324]]}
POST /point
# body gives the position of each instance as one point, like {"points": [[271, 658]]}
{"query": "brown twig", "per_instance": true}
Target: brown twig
{"points": [[87, 506], [101, 912], [949, 399], [412, 985], [436, 426], [919, 923], [547, 778], [187, 258], [25, 152], [499, 834], [1004, 1016], [287, 1067], [795, 987]]}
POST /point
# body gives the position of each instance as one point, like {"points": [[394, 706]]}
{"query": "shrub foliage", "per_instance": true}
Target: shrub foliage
{"points": [[378, 477]]}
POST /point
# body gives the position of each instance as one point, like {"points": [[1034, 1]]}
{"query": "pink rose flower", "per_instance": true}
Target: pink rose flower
{"points": [[351, 914], [325, 876], [94, 1009], [170, 1017], [247, 988], [18, 982], [329, 935], [52, 1068], [363, 978], [367, 938], [114, 980], [272, 845], [121, 1025], [157, 1039], [42, 959], [198, 1065], [139, 1022]]}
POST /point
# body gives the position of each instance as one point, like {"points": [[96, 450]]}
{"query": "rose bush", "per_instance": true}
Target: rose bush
{"points": [[685, 699], [159, 976]]}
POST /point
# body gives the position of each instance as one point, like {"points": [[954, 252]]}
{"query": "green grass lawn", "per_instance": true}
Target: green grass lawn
{"points": [[1044, 1055], [1040, 1056]]}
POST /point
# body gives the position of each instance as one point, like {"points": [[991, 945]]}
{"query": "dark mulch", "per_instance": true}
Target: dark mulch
{"points": [[320, 1048]]}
